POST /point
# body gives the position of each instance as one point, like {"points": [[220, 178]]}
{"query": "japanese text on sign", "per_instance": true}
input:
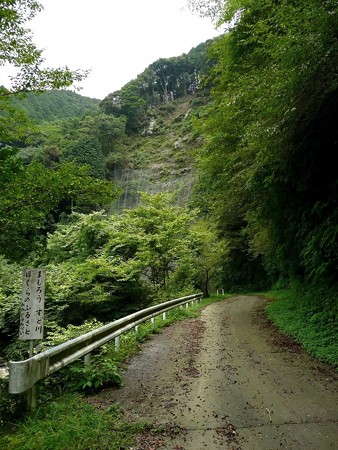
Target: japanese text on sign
{"points": [[32, 304]]}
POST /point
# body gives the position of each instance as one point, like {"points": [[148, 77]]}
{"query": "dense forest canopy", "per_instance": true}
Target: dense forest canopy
{"points": [[269, 160], [57, 104]]}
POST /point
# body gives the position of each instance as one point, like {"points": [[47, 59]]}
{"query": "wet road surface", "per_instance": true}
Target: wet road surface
{"points": [[229, 380]]}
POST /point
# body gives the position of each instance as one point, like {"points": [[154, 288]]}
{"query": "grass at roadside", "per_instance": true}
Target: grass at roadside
{"points": [[309, 317], [69, 422]]}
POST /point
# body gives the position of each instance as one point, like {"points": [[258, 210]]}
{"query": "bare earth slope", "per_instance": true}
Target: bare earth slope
{"points": [[229, 380]]}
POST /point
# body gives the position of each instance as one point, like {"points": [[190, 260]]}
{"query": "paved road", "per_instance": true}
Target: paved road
{"points": [[229, 380]]}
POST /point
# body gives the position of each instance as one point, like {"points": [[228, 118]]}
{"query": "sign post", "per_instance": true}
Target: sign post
{"points": [[32, 314]]}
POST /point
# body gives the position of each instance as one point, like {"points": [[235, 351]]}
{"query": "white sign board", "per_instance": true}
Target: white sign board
{"points": [[32, 304]]}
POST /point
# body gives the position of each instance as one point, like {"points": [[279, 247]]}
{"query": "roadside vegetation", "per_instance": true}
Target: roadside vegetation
{"points": [[310, 318], [65, 418], [65, 397], [69, 422]]}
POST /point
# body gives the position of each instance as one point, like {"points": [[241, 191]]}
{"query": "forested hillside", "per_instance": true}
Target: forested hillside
{"points": [[54, 105], [71, 199], [232, 146]]}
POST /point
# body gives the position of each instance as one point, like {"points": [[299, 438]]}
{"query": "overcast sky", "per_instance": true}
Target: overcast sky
{"points": [[116, 39]]}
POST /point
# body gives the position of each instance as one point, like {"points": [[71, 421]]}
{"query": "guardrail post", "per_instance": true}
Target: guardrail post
{"points": [[117, 342], [87, 359], [136, 328], [31, 393], [187, 305], [31, 398], [164, 316], [152, 320]]}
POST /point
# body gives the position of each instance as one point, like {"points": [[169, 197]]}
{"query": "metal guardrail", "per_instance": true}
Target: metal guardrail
{"points": [[23, 375]]}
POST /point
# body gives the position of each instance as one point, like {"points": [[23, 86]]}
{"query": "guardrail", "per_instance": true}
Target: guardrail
{"points": [[23, 375]]}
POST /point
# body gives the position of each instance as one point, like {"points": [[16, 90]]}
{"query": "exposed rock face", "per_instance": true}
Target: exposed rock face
{"points": [[161, 158]]}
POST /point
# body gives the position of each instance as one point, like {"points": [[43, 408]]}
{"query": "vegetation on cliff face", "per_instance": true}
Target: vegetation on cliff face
{"points": [[164, 80]]}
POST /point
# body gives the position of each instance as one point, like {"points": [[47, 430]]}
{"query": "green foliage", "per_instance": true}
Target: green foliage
{"points": [[18, 49], [55, 105], [29, 197], [12, 407], [58, 335], [241, 273], [10, 296], [86, 151], [72, 423], [31, 154], [104, 266], [152, 239], [100, 372], [78, 237], [78, 292], [310, 317], [212, 253], [266, 172], [207, 8], [109, 130], [14, 123], [164, 80], [81, 283], [97, 140], [127, 103]]}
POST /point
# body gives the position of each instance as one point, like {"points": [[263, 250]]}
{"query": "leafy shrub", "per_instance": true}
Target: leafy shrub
{"points": [[101, 372], [78, 292], [10, 295], [17, 350], [58, 335], [78, 238], [12, 406], [310, 316]]}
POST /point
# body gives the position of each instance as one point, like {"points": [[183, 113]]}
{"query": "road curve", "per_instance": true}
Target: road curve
{"points": [[229, 380]]}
